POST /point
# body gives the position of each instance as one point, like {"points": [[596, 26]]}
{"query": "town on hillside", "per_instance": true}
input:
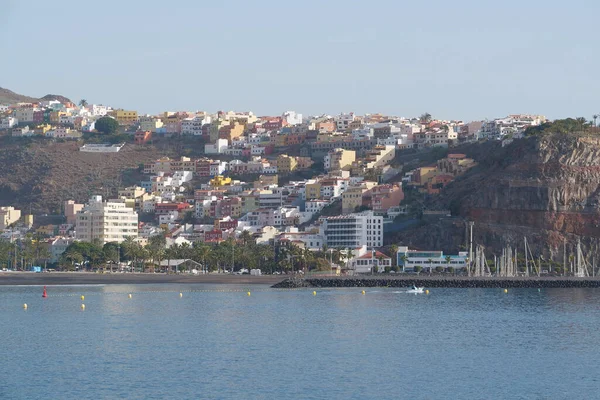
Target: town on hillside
{"points": [[271, 194]]}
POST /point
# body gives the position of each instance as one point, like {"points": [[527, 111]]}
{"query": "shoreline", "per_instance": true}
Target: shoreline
{"points": [[91, 278], [440, 282]]}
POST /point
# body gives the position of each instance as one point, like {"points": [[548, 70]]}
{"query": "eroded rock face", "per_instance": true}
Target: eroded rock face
{"points": [[546, 188]]}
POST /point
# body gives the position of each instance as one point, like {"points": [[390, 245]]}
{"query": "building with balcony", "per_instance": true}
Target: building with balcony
{"points": [[106, 221], [352, 230]]}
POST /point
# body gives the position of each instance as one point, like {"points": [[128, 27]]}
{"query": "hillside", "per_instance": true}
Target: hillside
{"points": [[42, 174], [10, 97], [544, 187]]}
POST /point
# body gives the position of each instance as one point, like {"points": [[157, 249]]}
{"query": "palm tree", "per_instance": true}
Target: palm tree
{"points": [[246, 238], [448, 259], [394, 250], [200, 252], [595, 116], [83, 103], [403, 258], [430, 262]]}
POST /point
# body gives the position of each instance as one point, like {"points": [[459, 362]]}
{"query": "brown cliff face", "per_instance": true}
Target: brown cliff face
{"points": [[546, 188]]}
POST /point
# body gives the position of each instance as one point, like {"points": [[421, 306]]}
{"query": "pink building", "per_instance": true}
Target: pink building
{"points": [[382, 197], [71, 210]]}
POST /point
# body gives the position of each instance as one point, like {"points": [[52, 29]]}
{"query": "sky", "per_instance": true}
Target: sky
{"points": [[460, 59]]}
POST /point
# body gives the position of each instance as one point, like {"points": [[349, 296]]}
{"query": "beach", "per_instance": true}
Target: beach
{"points": [[90, 278]]}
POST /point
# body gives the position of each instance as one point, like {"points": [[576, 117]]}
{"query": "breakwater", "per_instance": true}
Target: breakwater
{"points": [[439, 282]]}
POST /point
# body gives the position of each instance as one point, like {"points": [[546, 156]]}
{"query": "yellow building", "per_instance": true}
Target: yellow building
{"points": [[353, 196], [42, 129], [220, 180], [286, 164], [28, 219], [46, 230], [313, 190], [55, 116], [8, 216], [339, 158], [125, 117], [132, 192]]}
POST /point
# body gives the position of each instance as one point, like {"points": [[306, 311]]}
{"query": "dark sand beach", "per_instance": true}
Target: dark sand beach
{"points": [[90, 278]]}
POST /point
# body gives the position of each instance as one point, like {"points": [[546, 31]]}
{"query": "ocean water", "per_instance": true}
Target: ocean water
{"points": [[216, 342]]}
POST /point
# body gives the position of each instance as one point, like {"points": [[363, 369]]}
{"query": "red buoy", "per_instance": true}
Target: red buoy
{"points": [[44, 294]]}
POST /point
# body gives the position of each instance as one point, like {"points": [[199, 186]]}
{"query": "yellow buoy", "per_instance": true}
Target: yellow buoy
{"points": [[363, 292], [25, 306], [82, 297], [248, 293], [180, 294], [427, 291], [83, 306], [505, 290], [129, 295], [314, 292]]}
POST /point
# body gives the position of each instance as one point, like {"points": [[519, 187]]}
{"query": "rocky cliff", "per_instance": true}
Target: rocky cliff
{"points": [[544, 187]]}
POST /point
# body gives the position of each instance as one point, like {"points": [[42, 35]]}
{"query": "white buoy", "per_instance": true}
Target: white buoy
{"points": [[25, 306], [129, 295], [180, 294], [83, 306]]}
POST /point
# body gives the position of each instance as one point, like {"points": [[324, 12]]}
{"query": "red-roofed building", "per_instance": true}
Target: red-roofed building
{"points": [[371, 261]]}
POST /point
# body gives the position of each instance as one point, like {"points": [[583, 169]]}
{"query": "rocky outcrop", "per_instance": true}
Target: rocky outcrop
{"points": [[546, 188]]}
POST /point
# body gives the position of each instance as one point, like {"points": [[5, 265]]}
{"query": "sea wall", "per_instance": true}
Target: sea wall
{"points": [[440, 282]]}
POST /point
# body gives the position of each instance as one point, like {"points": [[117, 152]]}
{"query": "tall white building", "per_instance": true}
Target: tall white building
{"points": [[292, 117], [106, 221], [353, 230]]}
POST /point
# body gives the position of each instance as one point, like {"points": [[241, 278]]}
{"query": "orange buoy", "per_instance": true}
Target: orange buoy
{"points": [[44, 294]]}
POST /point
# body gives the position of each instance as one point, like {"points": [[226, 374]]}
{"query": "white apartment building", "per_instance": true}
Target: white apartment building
{"points": [[193, 126], [106, 221], [314, 206], [292, 118], [98, 110], [8, 122], [343, 121], [352, 230]]}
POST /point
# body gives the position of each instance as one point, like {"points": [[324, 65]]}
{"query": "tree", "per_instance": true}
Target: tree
{"points": [[247, 238], [403, 259], [5, 252], [448, 259], [200, 252], [83, 103], [107, 125], [322, 264], [425, 118], [111, 253], [394, 252], [418, 268]]}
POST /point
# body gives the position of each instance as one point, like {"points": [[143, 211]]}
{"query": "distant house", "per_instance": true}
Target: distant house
{"points": [[142, 137]]}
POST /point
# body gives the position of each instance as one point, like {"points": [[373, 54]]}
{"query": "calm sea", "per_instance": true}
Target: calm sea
{"points": [[216, 342]]}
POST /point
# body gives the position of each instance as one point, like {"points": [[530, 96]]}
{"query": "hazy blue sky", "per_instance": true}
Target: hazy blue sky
{"points": [[464, 59]]}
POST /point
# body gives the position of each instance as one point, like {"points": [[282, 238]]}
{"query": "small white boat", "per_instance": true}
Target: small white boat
{"points": [[415, 289]]}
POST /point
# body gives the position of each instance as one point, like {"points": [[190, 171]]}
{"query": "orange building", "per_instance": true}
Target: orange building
{"points": [[142, 137]]}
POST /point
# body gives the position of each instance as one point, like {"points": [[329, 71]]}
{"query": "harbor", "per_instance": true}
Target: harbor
{"points": [[403, 281]]}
